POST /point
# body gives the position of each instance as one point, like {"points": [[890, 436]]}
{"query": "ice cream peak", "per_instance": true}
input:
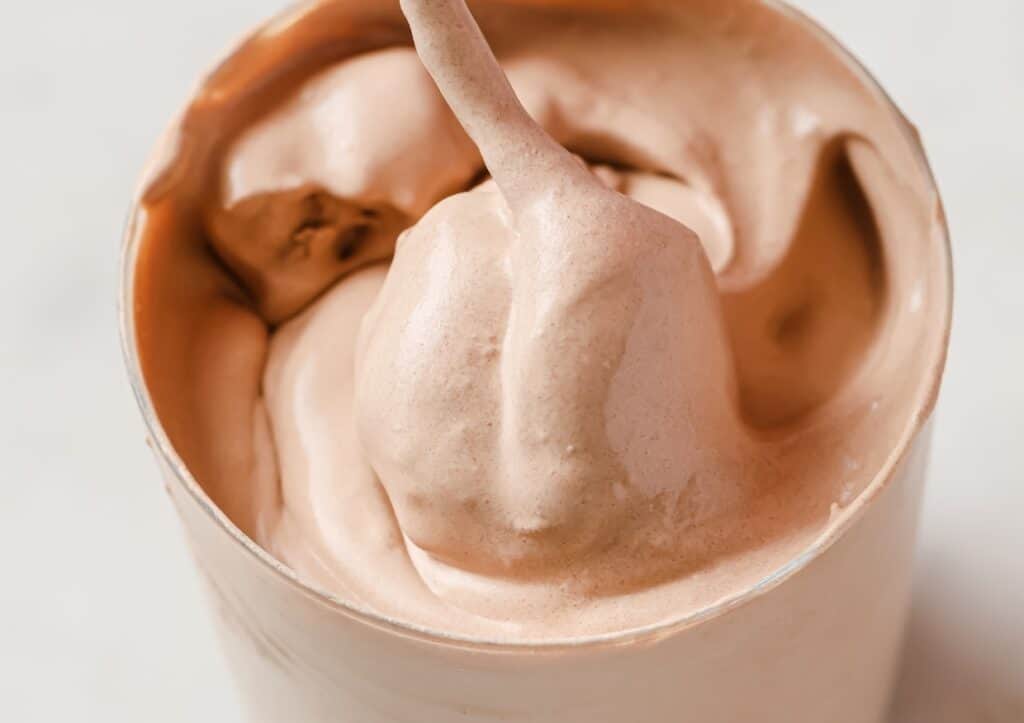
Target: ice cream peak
{"points": [[547, 359]]}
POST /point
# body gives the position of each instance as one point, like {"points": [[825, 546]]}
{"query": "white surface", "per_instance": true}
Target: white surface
{"points": [[100, 613]]}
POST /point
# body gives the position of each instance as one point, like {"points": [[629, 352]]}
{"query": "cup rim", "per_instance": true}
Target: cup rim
{"points": [[164, 449]]}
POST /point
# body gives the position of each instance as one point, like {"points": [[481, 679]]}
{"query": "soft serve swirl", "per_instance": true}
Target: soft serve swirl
{"points": [[585, 395]]}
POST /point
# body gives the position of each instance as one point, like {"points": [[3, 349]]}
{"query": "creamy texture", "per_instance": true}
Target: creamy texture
{"points": [[337, 175], [562, 416]]}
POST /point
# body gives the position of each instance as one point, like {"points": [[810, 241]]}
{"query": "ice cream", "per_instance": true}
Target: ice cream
{"points": [[558, 412], [335, 177]]}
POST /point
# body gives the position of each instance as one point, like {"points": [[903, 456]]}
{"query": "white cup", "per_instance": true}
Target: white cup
{"points": [[815, 642]]}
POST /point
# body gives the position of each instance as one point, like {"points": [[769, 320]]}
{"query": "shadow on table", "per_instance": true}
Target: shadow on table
{"points": [[959, 663]]}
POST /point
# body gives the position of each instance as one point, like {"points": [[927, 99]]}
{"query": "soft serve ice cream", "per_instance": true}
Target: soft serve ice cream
{"points": [[636, 370]]}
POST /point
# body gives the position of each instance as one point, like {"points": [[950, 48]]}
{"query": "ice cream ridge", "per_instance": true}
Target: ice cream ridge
{"points": [[568, 329]]}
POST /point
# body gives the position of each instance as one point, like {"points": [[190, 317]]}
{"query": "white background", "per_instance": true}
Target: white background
{"points": [[100, 615]]}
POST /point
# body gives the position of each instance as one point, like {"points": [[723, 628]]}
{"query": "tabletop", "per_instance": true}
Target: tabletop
{"points": [[102, 616]]}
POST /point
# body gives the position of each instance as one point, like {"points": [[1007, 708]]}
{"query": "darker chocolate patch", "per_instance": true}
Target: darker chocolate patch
{"points": [[350, 239], [862, 216], [793, 324]]}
